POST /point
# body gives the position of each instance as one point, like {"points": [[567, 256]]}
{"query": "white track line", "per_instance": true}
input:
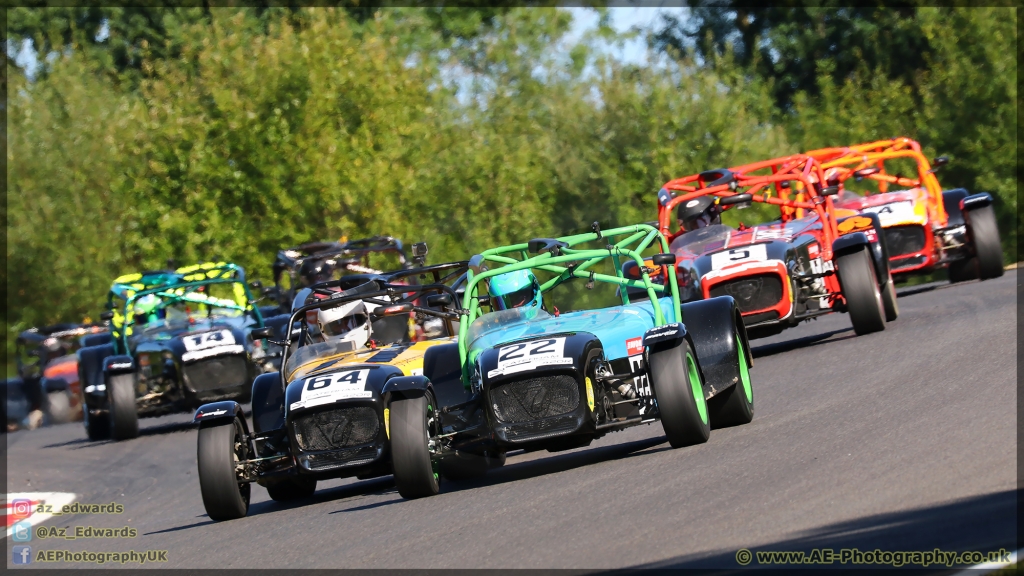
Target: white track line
{"points": [[987, 567], [54, 499]]}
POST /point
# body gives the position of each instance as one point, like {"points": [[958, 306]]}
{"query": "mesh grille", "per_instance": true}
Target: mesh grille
{"points": [[337, 459], [536, 398], [904, 240], [216, 373], [752, 292], [908, 262], [543, 429], [335, 429], [761, 317]]}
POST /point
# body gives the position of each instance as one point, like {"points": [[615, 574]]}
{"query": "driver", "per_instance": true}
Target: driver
{"points": [[519, 289], [346, 323], [699, 213]]}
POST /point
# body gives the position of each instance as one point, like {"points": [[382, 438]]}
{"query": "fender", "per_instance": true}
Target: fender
{"points": [[97, 339], [407, 387], [975, 201], [671, 333], [220, 412], [951, 200], [115, 365], [441, 366], [850, 243], [711, 325], [54, 385], [267, 403], [90, 371]]}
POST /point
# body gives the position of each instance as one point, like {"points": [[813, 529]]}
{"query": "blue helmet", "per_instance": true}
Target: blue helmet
{"points": [[514, 290]]}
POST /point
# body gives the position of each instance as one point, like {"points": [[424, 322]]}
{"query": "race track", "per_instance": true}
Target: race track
{"points": [[902, 440]]}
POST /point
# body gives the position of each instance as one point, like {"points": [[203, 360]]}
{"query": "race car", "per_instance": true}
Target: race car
{"points": [[815, 259], [302, 266], [180, 338], [926, 228], [47, 368], [328, 413]]}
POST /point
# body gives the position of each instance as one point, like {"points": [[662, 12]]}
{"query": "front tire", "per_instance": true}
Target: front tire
{"points": [[889, 304], [735, 406], [124, 417], [680, 395], [411, 422], [985, 235], [860, 289], [221, 447], [59, 407]]}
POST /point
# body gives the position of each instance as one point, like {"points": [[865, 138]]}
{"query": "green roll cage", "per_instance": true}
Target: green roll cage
{"points": [[557, 251]]}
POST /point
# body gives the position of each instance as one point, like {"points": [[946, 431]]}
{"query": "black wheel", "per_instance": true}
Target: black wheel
{"points": [[985, 235], [221, 447], [97, 427], [291, 489], [411, 423], [963, 270], [124, 418], [735, 406], [58, 407], [889, 304], [680, 395], [860, 289]]}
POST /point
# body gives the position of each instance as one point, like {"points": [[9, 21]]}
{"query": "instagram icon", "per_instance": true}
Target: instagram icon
{"points": [[21, 508]]}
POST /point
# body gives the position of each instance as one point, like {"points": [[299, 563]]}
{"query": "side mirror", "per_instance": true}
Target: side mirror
{"points": [[439, 300], [107, 315], [665, 259], [260, 333], [256, 285], [742, 200], [939, 162], [395, 310], [830, 191], [419, 253], [865, 172], [784, 184]]}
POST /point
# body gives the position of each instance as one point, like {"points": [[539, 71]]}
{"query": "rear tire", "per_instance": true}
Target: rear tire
{"points": [[680, 395], [59, 407], [860, 289], [291, 489], [735, 406], [985, 235], [411, 422], [124, 417], [220, 447], [889, 304]]}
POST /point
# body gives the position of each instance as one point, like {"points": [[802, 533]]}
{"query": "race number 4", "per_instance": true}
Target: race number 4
{"points": [[752, 253]]}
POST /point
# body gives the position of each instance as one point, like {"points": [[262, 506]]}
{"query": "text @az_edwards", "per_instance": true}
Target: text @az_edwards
{"points": [[855, 556]]}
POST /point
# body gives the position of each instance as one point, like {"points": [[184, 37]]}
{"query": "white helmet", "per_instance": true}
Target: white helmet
{"points": [[348, 323]]}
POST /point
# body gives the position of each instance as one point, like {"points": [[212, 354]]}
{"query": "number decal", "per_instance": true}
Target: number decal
{"points": [[540, 347], [738, 255], [332, 387], [893, 212], [508, 353], [208, 340], [529, 355], [752, 253]]}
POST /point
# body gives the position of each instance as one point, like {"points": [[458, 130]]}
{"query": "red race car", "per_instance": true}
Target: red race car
{"points": [[925, 227], [813, 260]]}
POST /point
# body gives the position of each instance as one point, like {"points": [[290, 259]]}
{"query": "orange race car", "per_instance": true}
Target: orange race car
{"points": [[925, 227], [813, 260]]}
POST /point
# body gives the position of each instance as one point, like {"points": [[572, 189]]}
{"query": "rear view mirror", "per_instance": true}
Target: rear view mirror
{"points": [[865, 172], [830, 191], [665, 259], [107, 315], [395, 310], [740, 200], [439, 300], [264, 332]]}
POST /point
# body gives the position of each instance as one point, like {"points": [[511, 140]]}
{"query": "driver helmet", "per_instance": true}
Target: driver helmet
{"points": [[699, 213], [346, 323], [147, 308], [515, 290], [313, 271]]}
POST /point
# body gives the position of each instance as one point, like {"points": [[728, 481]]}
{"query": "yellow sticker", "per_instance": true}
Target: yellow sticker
{"points": [[590, 395], [387, 423]]}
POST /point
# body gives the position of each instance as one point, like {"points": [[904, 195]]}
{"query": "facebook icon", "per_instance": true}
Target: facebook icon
{"points": [[21, 555]]}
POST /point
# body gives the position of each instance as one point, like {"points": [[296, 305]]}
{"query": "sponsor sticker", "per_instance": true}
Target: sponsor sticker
{"points": [[634, 346], [813, 250]]}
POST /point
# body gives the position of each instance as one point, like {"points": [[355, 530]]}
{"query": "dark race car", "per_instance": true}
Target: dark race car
{"points": [[180, 338], [815, 259], [326, 415], [302, 266]]}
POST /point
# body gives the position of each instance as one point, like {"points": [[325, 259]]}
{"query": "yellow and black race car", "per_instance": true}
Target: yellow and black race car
{"points": [[336, 409]]}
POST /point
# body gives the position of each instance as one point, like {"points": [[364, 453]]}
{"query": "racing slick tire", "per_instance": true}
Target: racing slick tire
{"points": [[889, 304], [124, 417], [410, 422], [735, 406], [680, 394], [220, 446], [90, 371], [985, 235], [58, 407], [963, 270], [291, 489], [860, 289]]}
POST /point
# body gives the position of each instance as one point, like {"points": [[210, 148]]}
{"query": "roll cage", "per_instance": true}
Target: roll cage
{"points": [[752, 179], [561, 256], [348, 255]]}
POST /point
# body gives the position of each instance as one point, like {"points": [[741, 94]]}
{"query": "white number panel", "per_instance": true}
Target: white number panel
{"points": [[752, 253], [331, 387], [529, 355], [892, 213], [641, 383], [209, 340]]}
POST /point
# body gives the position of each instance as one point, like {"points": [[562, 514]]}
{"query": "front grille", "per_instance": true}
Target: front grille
{"points": [[535, 399], [217, 373], [337, 459], [755, 292], [761, 317], [908, 262], [904, 240], [336, 429], [543, 429]]}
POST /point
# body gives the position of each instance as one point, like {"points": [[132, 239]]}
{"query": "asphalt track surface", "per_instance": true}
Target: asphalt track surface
{"points": [[902, 440]]}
